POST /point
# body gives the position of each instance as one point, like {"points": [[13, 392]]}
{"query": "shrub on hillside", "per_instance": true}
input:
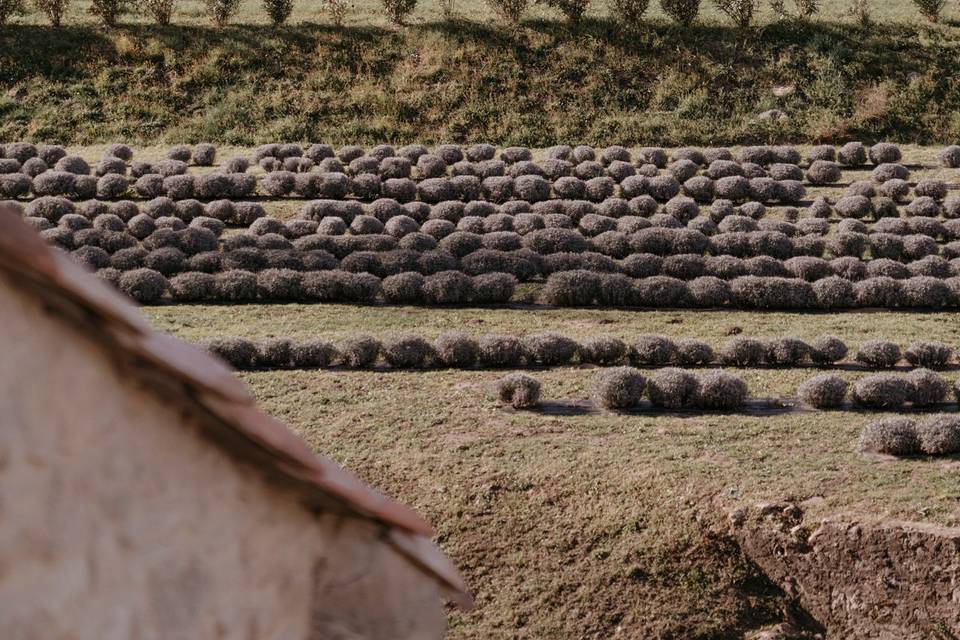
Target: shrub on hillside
{"points": [[310, 354], [930, 9], [107, 11], [519, 390], [629, 12], [683, 12], [618, 388], [824, 391], [509, 10], [572, 10], [54, 10], [740, 11], [162, 11], [221, 11], [278, 10], [576, 288], [893, 436]]}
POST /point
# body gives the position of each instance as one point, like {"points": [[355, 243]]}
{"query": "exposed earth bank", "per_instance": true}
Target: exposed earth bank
{"points": [[849, 579]]}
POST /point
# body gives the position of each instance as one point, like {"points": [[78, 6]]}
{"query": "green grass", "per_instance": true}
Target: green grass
{"points": [[594, 525], [433, 81]]}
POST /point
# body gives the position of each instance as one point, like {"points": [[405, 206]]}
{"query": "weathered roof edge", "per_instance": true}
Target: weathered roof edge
{"points": [[211, 387]]}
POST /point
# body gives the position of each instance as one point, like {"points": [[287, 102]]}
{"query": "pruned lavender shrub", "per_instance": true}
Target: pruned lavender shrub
{"points": [[519, 391], [932, 355], [618, 388], [603, 350], [653, 350], [548, 349], [892, 436], [672, 388], [825, 391], [407, 351], [882, 391], [786, 351], [456, 349], [880, 354], [827, 350], [939, 435], [239, 353], [719, 390], [926, 387], [742, 352], [359, 351], [146, 286], [692, 352]]}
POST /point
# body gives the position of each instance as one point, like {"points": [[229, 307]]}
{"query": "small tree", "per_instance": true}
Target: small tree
{"points": [[683, 12], [930, 9], [220, 11], [448, 9], [860, 11], [509, 10], [161, 10], [399, 10], [629, 12], [573, 10], [337, 9], [53, 9], [108, 11], [740, 11], [278, 10], [805, 9]]}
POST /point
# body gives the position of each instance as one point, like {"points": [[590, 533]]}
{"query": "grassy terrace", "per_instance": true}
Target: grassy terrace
{"points": [[599, 524]]}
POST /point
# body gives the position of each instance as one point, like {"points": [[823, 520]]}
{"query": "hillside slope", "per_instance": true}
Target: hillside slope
{"points": [[467, 81]]}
